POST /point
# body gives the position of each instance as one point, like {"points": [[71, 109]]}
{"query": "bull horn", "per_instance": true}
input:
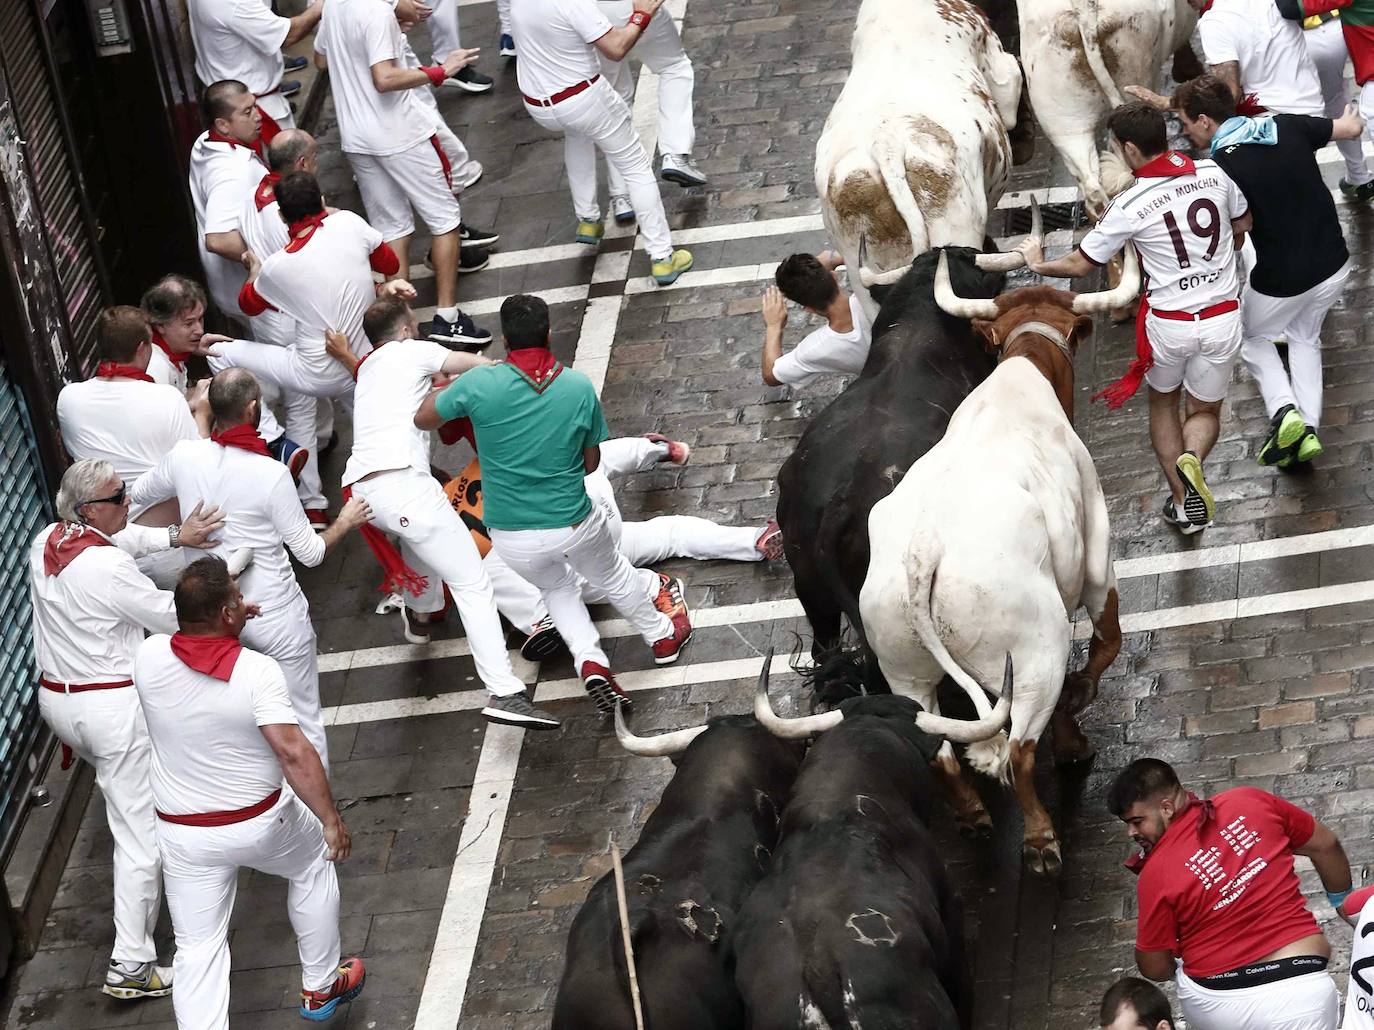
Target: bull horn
{"points": [[952, 304], [1014, 259], [969, 731], [780, 726], [871, 278], [661, 745], [1110, 300]]}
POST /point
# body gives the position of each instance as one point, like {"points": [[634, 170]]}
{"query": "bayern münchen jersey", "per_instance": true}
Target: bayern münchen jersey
{"points": [[1181, 227], [1359, 993]]}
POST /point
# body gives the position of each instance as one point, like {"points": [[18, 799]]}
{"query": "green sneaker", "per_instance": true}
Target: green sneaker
{"points": [[1198, 505], [1309, 446], [1285, 430], [668, 270], [591, 232]]}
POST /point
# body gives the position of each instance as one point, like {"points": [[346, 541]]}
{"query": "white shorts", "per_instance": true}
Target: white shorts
{"points": [[1307, 1002], [414, 179], [1196, 355]]}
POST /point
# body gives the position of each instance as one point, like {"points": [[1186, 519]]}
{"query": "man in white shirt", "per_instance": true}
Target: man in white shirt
{"points": [[233, 470], [243, 40], [560, 77], [1326, 46], [91, 606], [224, 737], [389, 139], [389, 469], [1183, 217], [840, 347]]}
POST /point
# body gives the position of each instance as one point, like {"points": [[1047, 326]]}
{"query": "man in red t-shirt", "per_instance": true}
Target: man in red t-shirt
{"points": [[1219, 903]]}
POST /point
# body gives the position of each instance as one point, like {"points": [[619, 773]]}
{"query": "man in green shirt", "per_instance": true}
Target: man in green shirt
{"points": [[538, 427]]}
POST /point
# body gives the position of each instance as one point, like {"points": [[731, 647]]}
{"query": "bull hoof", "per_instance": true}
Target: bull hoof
{"points": [[1043, 860]]}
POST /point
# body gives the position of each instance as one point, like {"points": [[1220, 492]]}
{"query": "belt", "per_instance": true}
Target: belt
{"points": [[562, 94], [238, 815], [1258, 974], [1224, 308], [81, 688]]}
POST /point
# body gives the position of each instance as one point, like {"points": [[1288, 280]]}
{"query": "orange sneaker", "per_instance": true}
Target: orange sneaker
{"points": [[672, 603], [320, 1005]]}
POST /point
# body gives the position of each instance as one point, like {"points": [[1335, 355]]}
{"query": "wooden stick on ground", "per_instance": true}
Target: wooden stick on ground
{"points": [[625, 934]]}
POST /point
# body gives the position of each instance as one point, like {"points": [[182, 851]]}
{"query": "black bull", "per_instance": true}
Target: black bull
{"points": [[922, 365], [698, 856], [856, 923]]}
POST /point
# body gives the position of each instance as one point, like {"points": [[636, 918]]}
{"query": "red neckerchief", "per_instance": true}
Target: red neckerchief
{"points": [[1137, 862], [266, 194], [1205, 8], [1166, 166], [359, 366], [309, 224], [253, 148], [65, 542], [244, 437], [178, 360], [210, 656], [114, 370], [536, 365]]}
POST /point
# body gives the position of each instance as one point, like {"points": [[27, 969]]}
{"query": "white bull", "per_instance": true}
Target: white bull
{"points": [[1077, 56], [915, 150], [992, 541]]}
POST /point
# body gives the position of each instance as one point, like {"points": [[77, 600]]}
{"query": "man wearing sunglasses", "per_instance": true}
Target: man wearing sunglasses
{"points": [[91, 606]]}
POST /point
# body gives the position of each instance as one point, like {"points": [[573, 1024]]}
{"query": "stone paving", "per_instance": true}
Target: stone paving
{"points": [[1275, 699]]}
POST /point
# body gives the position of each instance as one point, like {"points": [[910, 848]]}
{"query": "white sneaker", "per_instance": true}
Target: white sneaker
{"points": [[467, 175], [128, 981], [621, 209], [678, 168]]}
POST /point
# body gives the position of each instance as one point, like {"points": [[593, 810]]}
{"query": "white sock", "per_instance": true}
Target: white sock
{"points": [[448, 314]]}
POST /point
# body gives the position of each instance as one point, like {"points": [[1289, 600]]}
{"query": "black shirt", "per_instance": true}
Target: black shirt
{"points": [[1297, 235]]}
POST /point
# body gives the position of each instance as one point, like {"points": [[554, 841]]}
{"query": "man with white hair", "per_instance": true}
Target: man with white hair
{"points": [[91, 606], [233, 470]]}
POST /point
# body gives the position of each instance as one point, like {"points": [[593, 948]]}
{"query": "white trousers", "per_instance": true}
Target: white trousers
{"points": [[503, 16], [294, 370], [201, 866], [599, 118], [164, 568], [106, 728], [1299, 321], [1307, 1002], [443, 30], [661, 50], [435, 543], [552, 560], [287, 635], [1326, 47]]}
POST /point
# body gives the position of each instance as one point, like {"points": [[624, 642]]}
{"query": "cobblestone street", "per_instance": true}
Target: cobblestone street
{"points": [[1248, 652]]}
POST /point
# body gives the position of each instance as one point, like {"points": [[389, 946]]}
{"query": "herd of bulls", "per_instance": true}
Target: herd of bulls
{"points": [[943, 511]]}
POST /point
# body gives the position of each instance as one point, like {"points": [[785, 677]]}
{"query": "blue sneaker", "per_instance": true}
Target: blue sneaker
{"points": [[290, 454], [460, 334], [318, 1006], [507, 45], [289, 87], [293, 64]]}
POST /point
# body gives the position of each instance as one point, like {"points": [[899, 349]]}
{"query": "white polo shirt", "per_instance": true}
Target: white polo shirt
{"points": [[392, 382], [238, 39], [88, 620], [163, 371], [129, 423], [1273, 58], [208, 753], [217, 174], [354, 35], [826, 352], [555, 43], [261, 509], [325, 283], [265, 233]]}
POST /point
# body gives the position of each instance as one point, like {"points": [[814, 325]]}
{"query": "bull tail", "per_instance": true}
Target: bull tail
{"points": [[1092, 49], [889, 154]]}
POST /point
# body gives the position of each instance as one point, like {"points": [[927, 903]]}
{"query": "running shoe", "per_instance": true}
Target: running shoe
{"points": [[472, 257], [621, 209], [678, 452], [518, 710], [289, 87], [293, 64], [467, 175], [462, 332], [290, 454], [470, 236], [666, 272], [470, 80], [602, 688], [543, 641], [1178, 520], [672, 603], [416, 632], [1310, 446], [678, 168], [318, 1006], [1361, 194], [1198, 504], [128, 981], [1286, 430], [769, 543], [589, 232], [507, 45]]}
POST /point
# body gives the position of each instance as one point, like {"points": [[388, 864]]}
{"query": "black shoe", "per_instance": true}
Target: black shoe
{"points": [[329, 445], [518, 710], [470, 81], [289, 87], [471, 237], [542, 643], [1361, 194], [461, 334], [293, 64], [472, 259]]}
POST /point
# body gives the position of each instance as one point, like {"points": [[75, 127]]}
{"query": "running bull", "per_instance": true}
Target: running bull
{"points": [[700, 853], [915, 151], [856, 924], [993, 540]]}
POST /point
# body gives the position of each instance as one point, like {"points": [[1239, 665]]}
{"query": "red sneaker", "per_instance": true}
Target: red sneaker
{"points": [[318, 519], [602, 688], [320, 1005], [672, 603], [678, 452], [769, 543]]}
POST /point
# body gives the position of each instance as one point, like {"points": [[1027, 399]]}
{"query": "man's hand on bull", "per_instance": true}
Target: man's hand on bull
{"points": [[774, 308], [1034, 253], [1151, 97], [831, 259]]}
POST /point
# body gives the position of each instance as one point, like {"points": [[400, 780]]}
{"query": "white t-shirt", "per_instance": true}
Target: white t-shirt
{"points": [[354, 35], [163, 371], [1273, 58], [826, 352], [392, 382], [260, 506], [129, 423], [1181, 226], [325, 284], [217, 175], [238, 39], [555, 43], [208, 753], [265, 233]]}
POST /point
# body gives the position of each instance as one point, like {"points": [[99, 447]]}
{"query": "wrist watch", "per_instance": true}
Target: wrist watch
{"points": [[174, 535]]}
